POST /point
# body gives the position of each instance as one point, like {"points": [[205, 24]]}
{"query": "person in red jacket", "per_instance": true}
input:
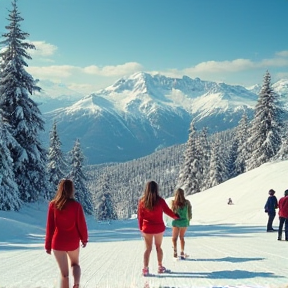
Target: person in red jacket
{"points": [[150, 219], [66, 227], [283, 215]]}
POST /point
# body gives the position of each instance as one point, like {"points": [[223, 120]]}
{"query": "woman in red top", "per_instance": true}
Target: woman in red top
{"points": [[150, 219], [283, 216], [66, 227]]}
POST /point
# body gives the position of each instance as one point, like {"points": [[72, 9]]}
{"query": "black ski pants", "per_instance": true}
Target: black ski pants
{"points": [[271, 217], [283, 220]]}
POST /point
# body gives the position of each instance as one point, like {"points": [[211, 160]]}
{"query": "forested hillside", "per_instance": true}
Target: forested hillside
{"points": [[125, 181]]}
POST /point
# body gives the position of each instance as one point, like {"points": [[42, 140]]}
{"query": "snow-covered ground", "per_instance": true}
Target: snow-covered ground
{"points": [[228, 244]]}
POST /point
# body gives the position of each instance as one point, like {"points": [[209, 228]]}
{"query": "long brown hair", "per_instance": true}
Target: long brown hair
{"points": [[179, 200], [151, 195], [64, 193]]}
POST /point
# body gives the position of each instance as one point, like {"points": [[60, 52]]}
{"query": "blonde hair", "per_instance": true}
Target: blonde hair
{"points": [[65, 192], [151, 195], [179, 200]]}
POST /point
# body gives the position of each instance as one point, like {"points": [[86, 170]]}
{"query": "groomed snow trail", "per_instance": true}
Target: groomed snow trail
{"points": [[220, 256]]}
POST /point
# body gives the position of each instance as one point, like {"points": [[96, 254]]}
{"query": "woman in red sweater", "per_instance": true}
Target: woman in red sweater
{"points": [[150, 219], [283, 216], [66, 227]]}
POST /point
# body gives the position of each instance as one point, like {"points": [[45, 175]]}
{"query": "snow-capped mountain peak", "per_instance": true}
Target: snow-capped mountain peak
{"points": [[141, 112]]}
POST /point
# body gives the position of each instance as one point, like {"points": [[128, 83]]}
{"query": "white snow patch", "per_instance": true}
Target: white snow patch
{"points": [[228, 244]]}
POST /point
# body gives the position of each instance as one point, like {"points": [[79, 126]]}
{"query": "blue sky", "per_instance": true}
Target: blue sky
{"points": [[89, 44]]}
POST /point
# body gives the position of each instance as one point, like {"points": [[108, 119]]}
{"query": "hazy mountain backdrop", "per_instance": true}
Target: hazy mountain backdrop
{"points": [[142, 113]]}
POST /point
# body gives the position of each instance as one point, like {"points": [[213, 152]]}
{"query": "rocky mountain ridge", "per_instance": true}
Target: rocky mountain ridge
{"points": [[143, 112]]}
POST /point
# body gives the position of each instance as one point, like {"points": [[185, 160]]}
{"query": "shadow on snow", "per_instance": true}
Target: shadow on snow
{"points": [[224, 274]]}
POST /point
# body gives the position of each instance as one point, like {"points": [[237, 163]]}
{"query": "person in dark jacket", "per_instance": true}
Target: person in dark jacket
{"points": [[283, 216], [270, 208]]}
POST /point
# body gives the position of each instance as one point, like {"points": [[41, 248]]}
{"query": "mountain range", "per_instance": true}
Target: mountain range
{"points": [[142, 113]]}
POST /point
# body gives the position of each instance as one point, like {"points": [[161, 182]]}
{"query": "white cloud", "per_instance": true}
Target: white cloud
{"points": [[223, 66], [118, 70], [274, 62], [237, 65], [53, 72], [88, 79], [65, 71], [221, 71], [43, 49], [282, 53]]}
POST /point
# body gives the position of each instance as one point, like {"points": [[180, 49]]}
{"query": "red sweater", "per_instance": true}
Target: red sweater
{"points": [[65, 228], [283, 207], [151, 221]]}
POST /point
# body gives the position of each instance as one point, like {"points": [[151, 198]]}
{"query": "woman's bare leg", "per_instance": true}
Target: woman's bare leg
{"points": [[148, 238], [175, 234], [181, 236], [61, 258], [74, 261], [158, 242]]}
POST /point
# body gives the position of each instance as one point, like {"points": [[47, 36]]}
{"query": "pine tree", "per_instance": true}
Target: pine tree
{"points": [[21, 112], [104, 200], [265, 133], [217, 170], [242, 136], [77, 176], [104, 208], [104, 203], [283, 151], [9, 193], [190, 173], [57, 165], [232, 157], [204, 152]]}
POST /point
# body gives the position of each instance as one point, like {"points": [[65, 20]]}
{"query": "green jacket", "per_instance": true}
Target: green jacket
{"points": [[185, 214]]}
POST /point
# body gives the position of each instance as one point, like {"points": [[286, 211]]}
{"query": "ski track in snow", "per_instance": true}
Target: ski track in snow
{"points": [[229, 259]]}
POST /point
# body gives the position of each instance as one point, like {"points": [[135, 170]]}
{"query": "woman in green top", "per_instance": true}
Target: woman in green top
{"points": [[183, 207]]}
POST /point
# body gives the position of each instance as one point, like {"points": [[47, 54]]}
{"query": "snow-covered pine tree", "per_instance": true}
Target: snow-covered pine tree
{"points": [[283, 151], [105, 208], [265, 139], [56, 166], [82, 194], [231, 158], [9, 193], [217, 170], [104, 203], [242, 136], [21, 112], [204, 149], [191, 170]]}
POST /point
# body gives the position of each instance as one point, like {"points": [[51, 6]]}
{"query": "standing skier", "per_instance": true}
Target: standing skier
{"points": [[270, 206]]}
